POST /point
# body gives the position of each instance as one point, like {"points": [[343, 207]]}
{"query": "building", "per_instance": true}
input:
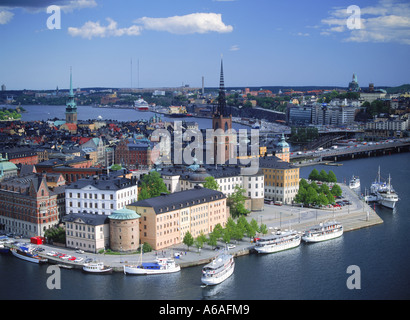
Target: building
{"points": [[7, 169], [299, 115], [166, 219], [281, 179], [283, 150], [124, 230], [387, 127], [88, 232], [180, 178], [223, 140], [27, 205], [71, 107], [100, 194], [354, 85], [133, 154]]}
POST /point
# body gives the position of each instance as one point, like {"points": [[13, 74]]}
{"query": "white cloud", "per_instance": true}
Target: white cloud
{"points": [[235, 47], [387, 21], [187, 24], [95, 29], [5, 16]]}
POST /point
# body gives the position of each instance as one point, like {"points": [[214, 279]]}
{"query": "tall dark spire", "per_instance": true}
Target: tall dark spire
{"points": [[222, 109]]}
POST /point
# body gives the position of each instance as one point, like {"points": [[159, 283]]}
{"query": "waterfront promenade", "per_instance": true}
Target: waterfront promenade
{"points": [[355, 216]]}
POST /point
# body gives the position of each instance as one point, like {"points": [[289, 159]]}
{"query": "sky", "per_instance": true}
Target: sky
{"points": [[169, 43]]}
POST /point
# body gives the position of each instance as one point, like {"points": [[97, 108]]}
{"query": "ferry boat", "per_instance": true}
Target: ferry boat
{"points": [[177, 111], [96, 267], [27, 254], [323, 231], [354, 183], [218, 270], [141, 105], [278, 242], [388, 197], [160, 266]]}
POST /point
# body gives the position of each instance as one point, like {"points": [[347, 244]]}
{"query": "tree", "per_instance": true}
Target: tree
{"points": [[323, 175], [152, 185], [212, 240], [200, 240], [322, 199], [188, 240], [218, 231], [331, 177], [210, 183], [314, 175], [336, 190], [236, 202], [263, 229]]}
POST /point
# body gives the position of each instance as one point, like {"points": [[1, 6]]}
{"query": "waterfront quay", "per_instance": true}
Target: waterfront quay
{"points": [[355, 216]]}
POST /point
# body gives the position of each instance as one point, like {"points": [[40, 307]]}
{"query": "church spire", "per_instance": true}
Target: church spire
{"points": [[222, 110], [71, 83]]}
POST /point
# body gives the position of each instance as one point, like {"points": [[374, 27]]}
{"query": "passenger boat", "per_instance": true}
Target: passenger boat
{"points": [[354, 183], [160, 266], [27, 254], [4, 249], [218, 270], [388, 197], [96, 267], [278, 242], [141, 105], [323, 231]]}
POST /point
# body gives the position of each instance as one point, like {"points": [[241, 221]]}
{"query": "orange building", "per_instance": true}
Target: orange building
{"points": [[166, 219]]}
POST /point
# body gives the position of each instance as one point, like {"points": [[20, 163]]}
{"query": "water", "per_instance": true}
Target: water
{"points": [[315, 271], [35, 113]]}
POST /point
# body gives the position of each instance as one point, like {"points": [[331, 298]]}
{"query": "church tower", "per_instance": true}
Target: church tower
{"points": [[71, 106], [282, 150], [222, 119]]}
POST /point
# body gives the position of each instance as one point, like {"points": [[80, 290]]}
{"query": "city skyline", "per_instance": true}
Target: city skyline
{"points": [[162, 44]]}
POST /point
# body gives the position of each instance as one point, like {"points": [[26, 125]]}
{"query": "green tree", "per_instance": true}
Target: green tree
{"points": [[236, 202], [146, 247], [336, 190], [323, 175], [263, 229], [210, 183], [322, 199], [314, 175], [331, 177], [200, 240], [188, 240], [212, 239], [152, 185]]}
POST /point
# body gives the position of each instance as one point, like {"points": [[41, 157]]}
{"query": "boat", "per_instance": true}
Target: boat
{"points": [[96, 267], [323, 231], [27, 254], [388, 197], [354, 183], [278, 242], [378, 185], [141, 105], [4, 249], [218, 270], [160, 266]]}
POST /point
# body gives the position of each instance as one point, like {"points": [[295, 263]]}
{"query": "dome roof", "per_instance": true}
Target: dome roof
{"points": [[199, 175], [283, 143], [124, 214], [7, 165]]}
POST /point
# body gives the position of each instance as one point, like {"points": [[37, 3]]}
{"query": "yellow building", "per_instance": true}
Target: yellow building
{"points": [[166, 219], [281, 179]]}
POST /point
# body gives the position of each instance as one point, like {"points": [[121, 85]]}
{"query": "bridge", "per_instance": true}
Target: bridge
{"points": [[354, 151]]}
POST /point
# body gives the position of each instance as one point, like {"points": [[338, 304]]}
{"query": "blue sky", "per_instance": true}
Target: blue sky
{"points": [[175, 42]]}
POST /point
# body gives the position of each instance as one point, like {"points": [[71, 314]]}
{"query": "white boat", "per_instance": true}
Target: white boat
{"points": [[371, 198], [141, 105], [378, 185], [388, 197], [278, 242], [218, 270], [96, 267], [160, 266], [323, 231], [354, 183], [27, 254]]}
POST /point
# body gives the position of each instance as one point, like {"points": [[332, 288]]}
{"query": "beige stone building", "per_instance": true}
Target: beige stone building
{"points": [[124, 230], [166, 219]]}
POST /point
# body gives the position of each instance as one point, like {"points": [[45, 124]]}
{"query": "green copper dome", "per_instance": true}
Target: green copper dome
{"points": [[124, 214], [283, 143]]}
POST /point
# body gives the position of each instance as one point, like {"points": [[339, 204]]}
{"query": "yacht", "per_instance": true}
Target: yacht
{"points": [[388, 197], [218, 270], [27, 253], [96, 267], [354, 183], [278, 242], [160, 266], [323, 231]]}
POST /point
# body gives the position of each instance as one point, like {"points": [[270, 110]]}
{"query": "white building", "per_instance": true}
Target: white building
{"points": [[100, 195]]}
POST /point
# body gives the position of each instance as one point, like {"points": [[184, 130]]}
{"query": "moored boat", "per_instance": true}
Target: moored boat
{"points": [[323, 231], [278, 242], [96, 267], [388, 197], [27, 254], [218, 270], [4, 249], [354, 183], [160, 266]]}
